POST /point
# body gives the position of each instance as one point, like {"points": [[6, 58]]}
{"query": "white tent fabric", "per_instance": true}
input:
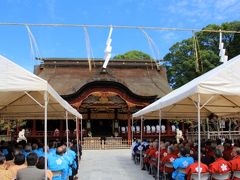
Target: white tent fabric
{"points": [[22, 94], [219, 90]]}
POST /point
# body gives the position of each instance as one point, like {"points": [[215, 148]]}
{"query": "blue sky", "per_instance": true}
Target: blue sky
{"points": [[69, 42]]}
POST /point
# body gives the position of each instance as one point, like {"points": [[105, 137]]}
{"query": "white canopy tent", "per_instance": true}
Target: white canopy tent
{"points": [[24, 95], [21, 94], [217, 91], [220, 88]]}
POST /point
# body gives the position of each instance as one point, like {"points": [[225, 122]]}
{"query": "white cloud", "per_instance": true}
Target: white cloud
{"points": [[51, 6], [200, 12], [226, 4], [169, 36]]}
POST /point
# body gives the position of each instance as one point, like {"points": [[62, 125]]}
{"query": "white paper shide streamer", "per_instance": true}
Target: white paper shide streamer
{"points": [[33, 44], [223, 57], [108, 49]]}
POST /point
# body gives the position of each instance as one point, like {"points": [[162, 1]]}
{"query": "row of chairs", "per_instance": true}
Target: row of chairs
{"points": [[204, 176], [194, 176], [207, 176]]}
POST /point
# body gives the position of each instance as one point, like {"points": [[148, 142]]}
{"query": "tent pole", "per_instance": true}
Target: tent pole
{"points": [[132, 130], [199, 135], [45, 130], [67, 128], [229, 128], [208, 134], [141, 128], [159, 142], [81, 138], [77, 136], [141, 143]]}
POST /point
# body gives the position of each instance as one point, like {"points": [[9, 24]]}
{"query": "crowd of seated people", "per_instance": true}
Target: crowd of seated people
{"points": [[26, 161], [180, 160]]}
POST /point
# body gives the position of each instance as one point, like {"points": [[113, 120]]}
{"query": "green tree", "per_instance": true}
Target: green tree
{"points": [[134, 54], [11, 125], [181, 62]]}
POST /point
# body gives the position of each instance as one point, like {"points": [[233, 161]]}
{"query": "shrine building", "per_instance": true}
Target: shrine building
{"points": [[105, 97]]}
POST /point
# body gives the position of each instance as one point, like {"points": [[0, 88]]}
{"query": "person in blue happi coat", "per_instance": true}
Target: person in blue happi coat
{"points": [[52, 148], [70, 157], [181, 163], [36, 150], [73, 147], [58, 165], [27, 150]]}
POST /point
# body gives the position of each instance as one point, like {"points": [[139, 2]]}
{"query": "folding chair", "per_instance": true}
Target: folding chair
{"points": [[167, 165], [224, 176], [203, 176], [236, 174], [153, 162], [57, 174], [137, 157]]}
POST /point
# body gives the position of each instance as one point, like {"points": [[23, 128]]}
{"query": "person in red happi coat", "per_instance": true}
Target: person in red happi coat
{"points": [[235, 162], [227, 151], [146, 157], [219, 166], [169, 158], [193, 168]]}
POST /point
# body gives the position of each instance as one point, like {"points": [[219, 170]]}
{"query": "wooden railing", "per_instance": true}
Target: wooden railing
{"points": [[93, 143], [50, 134], [5, 138], [116, 144], [213, 135], [96, 143], [150, 135]]}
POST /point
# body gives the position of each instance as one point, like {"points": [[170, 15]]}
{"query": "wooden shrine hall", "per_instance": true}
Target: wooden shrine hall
{"points": [[105, 97]]}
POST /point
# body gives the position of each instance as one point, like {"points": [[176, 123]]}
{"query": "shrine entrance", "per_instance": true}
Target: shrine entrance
{"points": [[101, 128], [109, 96], [106, 106]]}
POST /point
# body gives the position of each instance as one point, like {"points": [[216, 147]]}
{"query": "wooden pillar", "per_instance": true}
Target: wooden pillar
{"points": [[88, 120], [129, 126], [142, 127], [168, 128], [8, 130], [61, 128], [183, 129], [34, 130], [115, 128], [17, 126], [78, 128]]}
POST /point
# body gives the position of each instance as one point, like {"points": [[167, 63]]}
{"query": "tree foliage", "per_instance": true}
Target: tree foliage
{"points": [[134, 54], [181, 62], [11, 125]]}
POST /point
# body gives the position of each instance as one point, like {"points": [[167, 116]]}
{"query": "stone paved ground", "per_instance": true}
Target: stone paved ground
{"points": [[110, 165]]}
